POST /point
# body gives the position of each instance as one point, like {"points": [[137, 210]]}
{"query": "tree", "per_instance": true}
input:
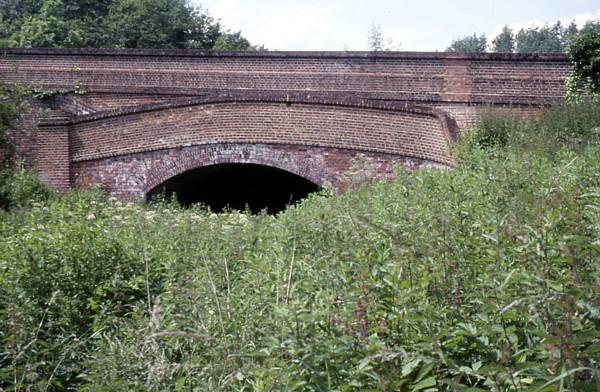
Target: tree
{"points": [[375, 38], [569, 33], [112, 23], [469, 44], [55, 23], [150, 23], [377, 42], [504, 42], [545, 39], [13, 9], [584, 52], [590, 27], [231, 41]]}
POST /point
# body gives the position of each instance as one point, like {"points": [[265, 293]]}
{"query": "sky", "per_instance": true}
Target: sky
{"points": [[415, 25]]}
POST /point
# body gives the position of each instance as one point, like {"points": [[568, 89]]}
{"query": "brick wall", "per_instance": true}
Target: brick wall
{"points": [[53, 155], [118, 104], [425, 77], [407, 133]]}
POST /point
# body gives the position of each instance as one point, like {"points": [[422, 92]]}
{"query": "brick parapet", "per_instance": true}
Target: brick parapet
{"points": [[284, 54], [411, 76]]}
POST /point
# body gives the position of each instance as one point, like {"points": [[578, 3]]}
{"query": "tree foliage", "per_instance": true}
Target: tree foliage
{"points": [[231, 41], [375, 38], [584, 52], [540, 39], [545, 39], [113, 23], [504, 42], [469, 44], [377, 42]]}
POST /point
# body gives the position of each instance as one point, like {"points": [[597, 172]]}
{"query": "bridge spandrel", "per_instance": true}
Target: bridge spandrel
{"points": [[393, 132]]}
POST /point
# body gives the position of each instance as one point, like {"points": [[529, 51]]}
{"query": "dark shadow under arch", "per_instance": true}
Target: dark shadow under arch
{"points": [[238, 186]]}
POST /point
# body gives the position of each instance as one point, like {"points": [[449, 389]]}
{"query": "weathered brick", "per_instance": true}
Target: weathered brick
{"points": [[128, 119]]}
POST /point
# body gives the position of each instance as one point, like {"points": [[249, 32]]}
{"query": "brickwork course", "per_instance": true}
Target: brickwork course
{"points": [[128, 120]]}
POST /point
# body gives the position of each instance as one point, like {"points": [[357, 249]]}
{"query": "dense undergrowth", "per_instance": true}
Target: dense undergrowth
{"points": [[484, 277]]}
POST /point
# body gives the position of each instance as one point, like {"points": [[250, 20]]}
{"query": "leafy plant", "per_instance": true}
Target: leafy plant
{"points": [[482, 278]]}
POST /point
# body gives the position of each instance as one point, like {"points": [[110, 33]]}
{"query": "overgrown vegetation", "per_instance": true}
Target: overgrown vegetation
{"points": [[114, 24], [571, 127], [539, 39], [485, 277], [584, 52], [17, 186]]}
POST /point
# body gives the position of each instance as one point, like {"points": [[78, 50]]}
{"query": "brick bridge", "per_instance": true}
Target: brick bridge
{"points": [[136, 121]]}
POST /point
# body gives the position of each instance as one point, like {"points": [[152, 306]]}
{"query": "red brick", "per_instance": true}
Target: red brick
{"points": [[128, 119]]}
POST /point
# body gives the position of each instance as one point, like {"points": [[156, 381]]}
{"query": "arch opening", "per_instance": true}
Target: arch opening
{"points": [[237, 186]]}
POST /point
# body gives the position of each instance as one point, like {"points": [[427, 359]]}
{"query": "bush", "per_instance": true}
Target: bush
{"points": [[482, 278], [571, 126], [20, 187]]}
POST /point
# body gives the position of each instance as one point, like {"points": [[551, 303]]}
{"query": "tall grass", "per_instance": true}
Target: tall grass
{"points": [[485, 277], [567, 126]]}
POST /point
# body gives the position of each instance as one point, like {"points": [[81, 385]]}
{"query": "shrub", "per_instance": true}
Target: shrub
{"points": [[571, 126], [484, 277], [20, 188]]}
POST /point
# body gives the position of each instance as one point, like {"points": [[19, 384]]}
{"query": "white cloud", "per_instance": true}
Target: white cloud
{"points": [[305, 25], [419, 26], [579, 19]]}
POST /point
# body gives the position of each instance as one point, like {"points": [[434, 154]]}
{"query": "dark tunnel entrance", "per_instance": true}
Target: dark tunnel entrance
{"points": [[237, 186]]}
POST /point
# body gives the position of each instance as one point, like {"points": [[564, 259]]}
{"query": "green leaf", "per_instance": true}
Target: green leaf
{"points": [[559, 378], [427, 383], [424, 371], [409, 367], [180, 384]]}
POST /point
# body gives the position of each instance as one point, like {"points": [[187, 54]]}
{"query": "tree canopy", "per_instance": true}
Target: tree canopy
{"points": [[377, 42], [545, 39], [584, 52], [504, 42], [469, 44], [113, 23], [550, 38]]}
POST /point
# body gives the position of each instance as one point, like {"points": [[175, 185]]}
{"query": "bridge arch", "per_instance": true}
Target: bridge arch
{"points": [[284, 158], [136, 176], [239, 186], [130, 151]]}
